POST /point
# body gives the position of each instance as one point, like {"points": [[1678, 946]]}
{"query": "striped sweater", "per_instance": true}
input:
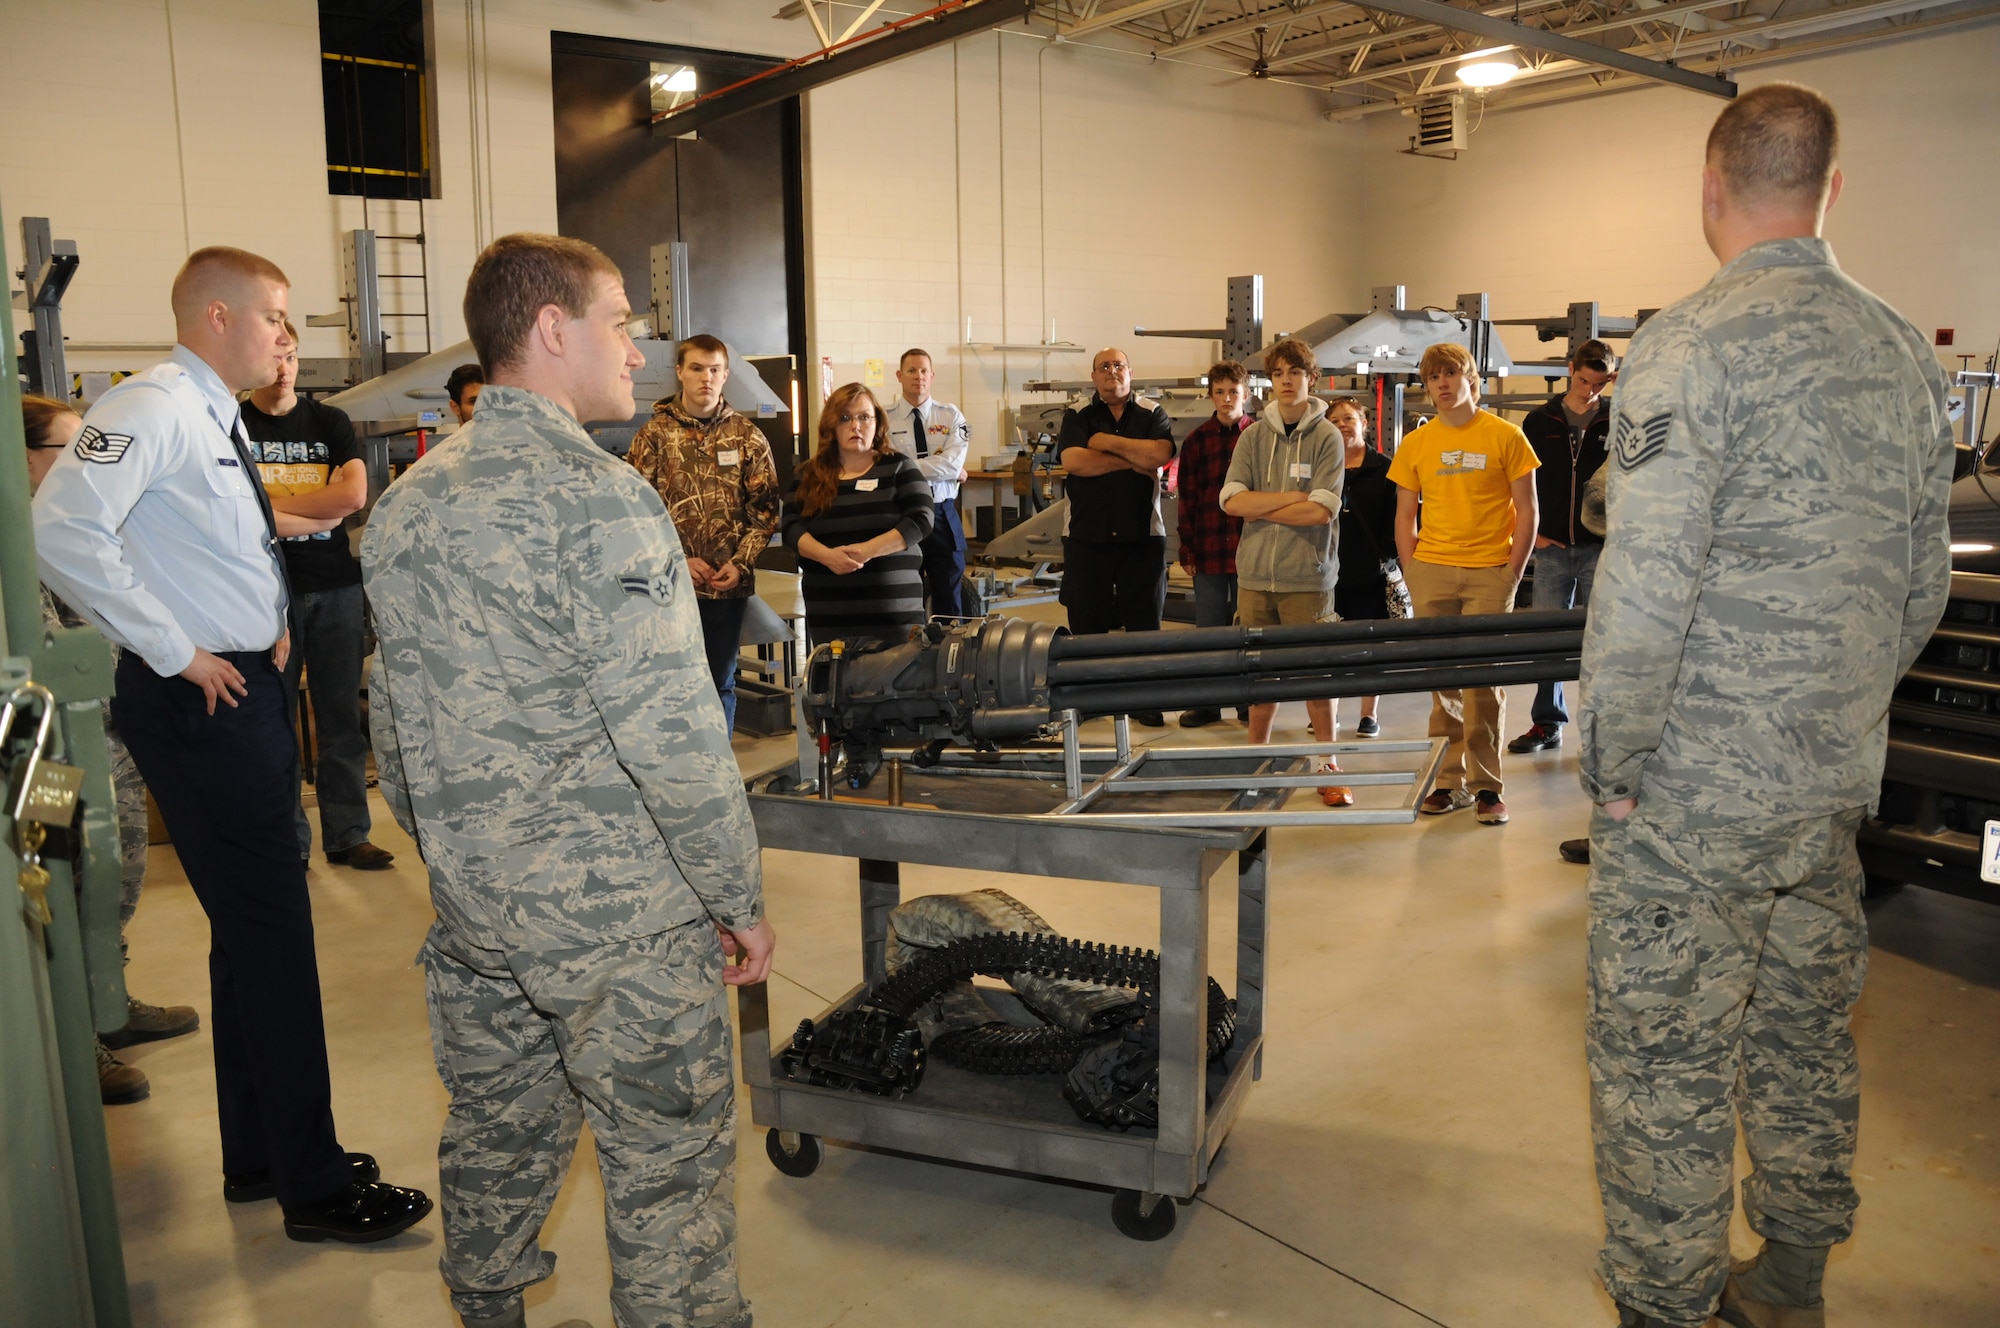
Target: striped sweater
{"points": [[886, 597]]}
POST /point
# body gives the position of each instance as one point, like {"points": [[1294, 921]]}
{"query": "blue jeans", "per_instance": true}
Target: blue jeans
{"points": [[1563, 579], [721, 640], [326, 644], [1214, 599]]}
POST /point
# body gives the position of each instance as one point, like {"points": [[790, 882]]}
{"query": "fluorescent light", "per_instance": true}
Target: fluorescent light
{"points": [[1488, 71], [1971, 548], [681, 80]]}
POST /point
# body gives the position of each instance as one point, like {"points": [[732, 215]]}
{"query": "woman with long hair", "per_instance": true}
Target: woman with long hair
{"points": [[855, 514]]}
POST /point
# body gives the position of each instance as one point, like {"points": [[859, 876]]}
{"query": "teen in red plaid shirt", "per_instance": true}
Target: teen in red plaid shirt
{"points": [[1208, 534]]}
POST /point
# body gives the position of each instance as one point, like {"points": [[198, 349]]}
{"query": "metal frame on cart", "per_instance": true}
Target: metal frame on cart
{"points": [[1026, 1133]]}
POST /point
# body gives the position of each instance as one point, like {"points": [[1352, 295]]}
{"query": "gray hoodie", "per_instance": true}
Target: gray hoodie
{"points": [[1280, 559]]}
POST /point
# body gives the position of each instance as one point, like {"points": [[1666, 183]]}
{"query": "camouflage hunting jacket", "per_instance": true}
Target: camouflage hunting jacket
{"points": [[718, 481], [543, 717], [1777, 552]]}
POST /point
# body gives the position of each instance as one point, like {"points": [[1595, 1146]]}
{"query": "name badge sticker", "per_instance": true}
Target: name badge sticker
{"points": [[1301, 470], [866, 486], [728, 456], [1475, 461], [1989, 859]]}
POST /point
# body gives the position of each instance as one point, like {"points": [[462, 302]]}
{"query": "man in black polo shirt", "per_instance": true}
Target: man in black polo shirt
{"points": [[313, 473], [1114, 543]]}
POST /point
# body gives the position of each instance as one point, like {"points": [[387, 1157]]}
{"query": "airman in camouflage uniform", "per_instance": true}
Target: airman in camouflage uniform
{"points": [[1776, 558], [546, 731]]}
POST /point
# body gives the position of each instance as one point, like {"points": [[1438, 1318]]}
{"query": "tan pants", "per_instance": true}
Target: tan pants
{"points": [[1471, 718]]}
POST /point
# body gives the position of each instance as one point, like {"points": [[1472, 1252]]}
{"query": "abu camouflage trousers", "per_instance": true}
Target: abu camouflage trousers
{"points": [[630, 1035], [133, 833], [1725, 960]]}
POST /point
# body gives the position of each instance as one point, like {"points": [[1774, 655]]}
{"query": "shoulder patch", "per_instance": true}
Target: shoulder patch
{"points": [[93, 444], [1635, 442], [659, 587]]}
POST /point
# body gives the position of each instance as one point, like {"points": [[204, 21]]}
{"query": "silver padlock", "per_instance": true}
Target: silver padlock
{"points": [[41, 791]]}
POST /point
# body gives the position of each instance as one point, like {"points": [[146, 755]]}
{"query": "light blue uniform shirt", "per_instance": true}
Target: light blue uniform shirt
{"points": [[945, 440], [150, 528]]}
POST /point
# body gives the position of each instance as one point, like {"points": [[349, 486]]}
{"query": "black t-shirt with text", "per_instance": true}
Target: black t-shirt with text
{"points": [[297, 453]]}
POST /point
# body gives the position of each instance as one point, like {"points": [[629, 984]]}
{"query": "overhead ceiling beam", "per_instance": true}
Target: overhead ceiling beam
{"points": [[1538, 39], [1664, 13], [933, 27], [1112, 18]]}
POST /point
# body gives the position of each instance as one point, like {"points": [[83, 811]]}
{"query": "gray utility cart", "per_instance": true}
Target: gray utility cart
{"points": [[1022, 1123]]}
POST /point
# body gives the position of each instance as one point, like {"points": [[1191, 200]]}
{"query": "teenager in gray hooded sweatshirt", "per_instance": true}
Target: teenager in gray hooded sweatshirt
{"points": [[1285, 481]]}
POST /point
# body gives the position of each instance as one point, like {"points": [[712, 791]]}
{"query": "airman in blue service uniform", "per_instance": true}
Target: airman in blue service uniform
{"points": [[546, 728], [155, 529], [1776, 558]]}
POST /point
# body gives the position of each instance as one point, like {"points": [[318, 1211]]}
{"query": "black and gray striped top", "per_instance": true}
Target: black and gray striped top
{"points": [[886, 597]]}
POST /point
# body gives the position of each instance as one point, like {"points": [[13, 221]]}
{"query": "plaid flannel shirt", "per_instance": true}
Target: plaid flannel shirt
{"points": [[1208, 534]]}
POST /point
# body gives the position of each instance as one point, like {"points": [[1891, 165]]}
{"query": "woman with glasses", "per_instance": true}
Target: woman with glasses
{"points": [[855, 514]]}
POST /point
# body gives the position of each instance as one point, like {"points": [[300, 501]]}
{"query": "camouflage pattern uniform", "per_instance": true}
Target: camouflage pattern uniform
{"points": [[546, 731], [1776, 558], [724, 514], [134, 831]]}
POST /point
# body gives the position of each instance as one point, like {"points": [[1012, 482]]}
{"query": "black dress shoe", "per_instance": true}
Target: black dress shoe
{"points": [[250, 1186], [360, 1213], [1202, 718], [1152, 719]]}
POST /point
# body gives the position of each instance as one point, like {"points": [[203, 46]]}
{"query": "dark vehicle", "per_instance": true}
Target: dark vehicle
{"points": [[1941, 784]]}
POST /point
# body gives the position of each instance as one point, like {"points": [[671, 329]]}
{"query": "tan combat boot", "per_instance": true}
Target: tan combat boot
{"points": [[117, 1082], [1777, 1289]]}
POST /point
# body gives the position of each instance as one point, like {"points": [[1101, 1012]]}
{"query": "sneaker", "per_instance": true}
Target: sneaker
{"points": [[362, 857], [1445, 800], [1538, 738], [152, 1023], [1336, 795], [1575, 850], [1368, 728], [117, 1082], [1152, 719], [1489, 809], [1196, 719]]}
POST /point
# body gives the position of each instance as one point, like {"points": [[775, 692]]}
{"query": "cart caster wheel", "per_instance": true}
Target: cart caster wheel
{"points": [[1142, 1216], [804, 1154]]}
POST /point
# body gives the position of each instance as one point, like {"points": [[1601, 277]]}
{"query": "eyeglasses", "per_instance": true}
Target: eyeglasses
{"points": [[1113, 366], [858, 419]]}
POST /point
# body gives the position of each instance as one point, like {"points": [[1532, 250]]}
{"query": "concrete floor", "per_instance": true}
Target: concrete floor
{"points": [[1418, 1151]]}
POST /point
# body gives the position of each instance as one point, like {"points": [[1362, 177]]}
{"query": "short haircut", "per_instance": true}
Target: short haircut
{"points": [[702, 342], [38, 419], [1349, 403], [1293, 352], [904, 358], [1445, 355], [1595, 356], [464, 376], [293, 333], [1227, 371], [1776, 144], [215, 272], [515, 279]]}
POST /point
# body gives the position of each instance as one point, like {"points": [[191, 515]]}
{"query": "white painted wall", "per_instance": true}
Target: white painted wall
{"points": [[1082, 187], [1599, 199]]}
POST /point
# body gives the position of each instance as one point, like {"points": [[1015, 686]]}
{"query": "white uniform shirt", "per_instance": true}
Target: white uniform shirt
{"points": [[945, 437], [149, 527]]}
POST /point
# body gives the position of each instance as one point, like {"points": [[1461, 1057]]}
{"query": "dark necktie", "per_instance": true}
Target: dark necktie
{"points": [[256, 478], [917, 433]]}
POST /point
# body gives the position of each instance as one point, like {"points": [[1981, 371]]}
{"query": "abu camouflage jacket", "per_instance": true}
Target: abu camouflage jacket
{"points": [[543, 718], [1777, 552]]}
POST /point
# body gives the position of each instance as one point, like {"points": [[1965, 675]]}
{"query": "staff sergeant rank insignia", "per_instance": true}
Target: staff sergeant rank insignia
{"points": [[93, 444], [1634, 444]]}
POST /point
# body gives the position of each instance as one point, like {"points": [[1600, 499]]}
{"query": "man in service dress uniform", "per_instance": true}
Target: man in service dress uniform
{"points": [[547, 732], [154, 527], [1777, 556]]}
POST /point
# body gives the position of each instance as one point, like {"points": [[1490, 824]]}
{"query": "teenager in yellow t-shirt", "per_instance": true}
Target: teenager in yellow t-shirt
{"points": [[1473, 474]]}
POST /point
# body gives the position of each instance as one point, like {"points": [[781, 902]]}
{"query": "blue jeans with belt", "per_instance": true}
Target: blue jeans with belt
{"points": [[1563, 578]]}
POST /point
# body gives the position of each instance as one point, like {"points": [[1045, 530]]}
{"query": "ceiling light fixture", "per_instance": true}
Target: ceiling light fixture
{"points": [[1487, 69], [681, 80]]}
